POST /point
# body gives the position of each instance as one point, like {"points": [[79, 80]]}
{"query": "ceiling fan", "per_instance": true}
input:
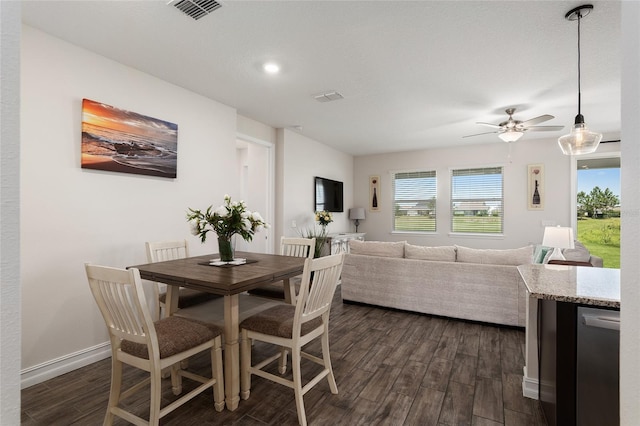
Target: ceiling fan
{"points": [[511, 130]]}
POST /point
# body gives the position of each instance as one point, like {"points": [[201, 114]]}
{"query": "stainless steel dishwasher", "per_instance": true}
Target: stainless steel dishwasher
{"points": [[598, 367]]}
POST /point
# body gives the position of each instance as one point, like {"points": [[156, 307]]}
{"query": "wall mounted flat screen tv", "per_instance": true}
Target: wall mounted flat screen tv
{"points": [[329, 195]]}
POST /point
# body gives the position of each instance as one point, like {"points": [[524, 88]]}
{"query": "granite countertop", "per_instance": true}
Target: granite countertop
{"points": [[574, 284]]}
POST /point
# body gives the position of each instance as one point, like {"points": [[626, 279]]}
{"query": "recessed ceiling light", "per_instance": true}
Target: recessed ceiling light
{"points": [[271, 68]]}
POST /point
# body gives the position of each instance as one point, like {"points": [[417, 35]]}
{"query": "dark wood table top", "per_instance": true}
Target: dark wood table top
{"points": [[261, 269]]}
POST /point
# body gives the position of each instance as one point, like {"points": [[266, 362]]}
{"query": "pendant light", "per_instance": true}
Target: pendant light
{"points": [[581, 140]]}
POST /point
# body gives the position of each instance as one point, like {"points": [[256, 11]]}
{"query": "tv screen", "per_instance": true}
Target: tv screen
{"points": [[328, 195]]}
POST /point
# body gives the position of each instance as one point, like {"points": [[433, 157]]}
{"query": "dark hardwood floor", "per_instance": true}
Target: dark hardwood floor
{"points": [[391, 367]]}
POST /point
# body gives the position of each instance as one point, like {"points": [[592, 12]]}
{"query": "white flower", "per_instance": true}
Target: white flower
{"points": [[260, 228], [195, 229], [245, 214], [221, 211], [246, 223], [256, 217]]}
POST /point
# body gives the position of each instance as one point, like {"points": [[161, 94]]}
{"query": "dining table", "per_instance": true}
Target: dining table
{"points": [[228, 280]]}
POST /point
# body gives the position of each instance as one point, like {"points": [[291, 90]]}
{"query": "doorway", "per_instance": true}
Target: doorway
{"points": [[256, 172], [597, 206]]}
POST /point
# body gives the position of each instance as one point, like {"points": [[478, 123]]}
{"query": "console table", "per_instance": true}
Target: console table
{"points": [[339, 243]]}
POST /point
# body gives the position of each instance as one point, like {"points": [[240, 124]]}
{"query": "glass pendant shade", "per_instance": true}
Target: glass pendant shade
{"points": [[510, 135], [581, 140]]}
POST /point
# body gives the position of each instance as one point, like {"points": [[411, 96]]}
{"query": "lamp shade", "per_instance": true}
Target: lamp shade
{"points": [[580, 141], [510, 135], [558, 237], [356, 213]]}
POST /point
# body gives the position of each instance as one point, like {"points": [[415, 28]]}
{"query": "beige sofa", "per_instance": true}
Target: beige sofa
{"points": [[452, 281]]}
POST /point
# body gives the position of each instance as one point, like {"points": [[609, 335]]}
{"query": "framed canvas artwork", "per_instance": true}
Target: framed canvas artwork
{"points": [[535, 190], [374, 193], [122, 141]]}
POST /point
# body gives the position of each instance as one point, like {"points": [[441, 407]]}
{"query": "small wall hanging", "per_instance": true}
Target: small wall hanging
{"points": [[117, 140], [374, 193], [535, 187]]}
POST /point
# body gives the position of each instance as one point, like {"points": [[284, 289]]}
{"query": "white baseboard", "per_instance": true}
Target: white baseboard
{"points": [[64, 364], [529, 386]]}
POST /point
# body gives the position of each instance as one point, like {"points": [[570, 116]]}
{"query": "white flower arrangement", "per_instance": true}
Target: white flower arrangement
{"points": [[226, 220]]}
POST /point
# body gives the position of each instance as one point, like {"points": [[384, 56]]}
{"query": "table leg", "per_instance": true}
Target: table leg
{"points": [[231, 352], [289, 291], [171, 302]]}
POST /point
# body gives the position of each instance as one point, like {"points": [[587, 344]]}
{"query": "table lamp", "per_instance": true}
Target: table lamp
{"points": [[356, 214], [559, 238]]}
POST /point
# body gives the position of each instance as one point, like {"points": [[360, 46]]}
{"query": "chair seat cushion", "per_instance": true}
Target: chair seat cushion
{"points": [[278, 321], [189, 297], [175, 335]]}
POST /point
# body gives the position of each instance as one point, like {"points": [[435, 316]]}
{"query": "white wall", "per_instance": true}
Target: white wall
{"points": [[72, 215], [630, 243], [521, 226], [299, 160], [9, 213]]}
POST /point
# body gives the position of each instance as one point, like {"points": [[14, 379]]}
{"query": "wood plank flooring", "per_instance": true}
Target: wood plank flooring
{"points": [[391, 367]]}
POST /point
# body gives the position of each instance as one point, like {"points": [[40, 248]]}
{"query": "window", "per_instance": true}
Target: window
{"points": [[477, 200], [414, 201]]}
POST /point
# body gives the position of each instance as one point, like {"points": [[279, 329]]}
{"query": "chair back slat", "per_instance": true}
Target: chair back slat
{"points": [[297, 247], [316, 294], [166, 250], [120, 298]]}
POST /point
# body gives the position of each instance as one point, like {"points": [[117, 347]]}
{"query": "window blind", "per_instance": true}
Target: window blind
{"points": [[414, 201], [477, 200]]}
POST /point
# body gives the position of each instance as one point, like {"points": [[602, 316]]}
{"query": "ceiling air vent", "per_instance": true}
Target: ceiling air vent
{"points": [[328, 96], [195, 8]]}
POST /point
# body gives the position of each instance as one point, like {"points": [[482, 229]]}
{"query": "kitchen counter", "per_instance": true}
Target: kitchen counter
{"points": [[573, 284], [559, 348]]}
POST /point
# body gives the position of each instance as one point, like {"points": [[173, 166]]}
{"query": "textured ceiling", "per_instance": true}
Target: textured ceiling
{"points": [[414, 74]]}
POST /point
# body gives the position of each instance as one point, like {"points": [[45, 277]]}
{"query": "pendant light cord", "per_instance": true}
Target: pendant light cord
{"points": [[579, 91]]}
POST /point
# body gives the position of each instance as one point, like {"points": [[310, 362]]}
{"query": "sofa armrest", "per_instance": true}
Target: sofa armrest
{"points": [[596, 261]]}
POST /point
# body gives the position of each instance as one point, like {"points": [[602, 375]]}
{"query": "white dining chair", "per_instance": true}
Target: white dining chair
{"points": [[292, 327], [170, 250], [289, 246], [137, 341]]}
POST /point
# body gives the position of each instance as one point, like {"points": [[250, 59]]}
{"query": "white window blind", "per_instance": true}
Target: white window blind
{"points": [[414, 201], [477, 200]]}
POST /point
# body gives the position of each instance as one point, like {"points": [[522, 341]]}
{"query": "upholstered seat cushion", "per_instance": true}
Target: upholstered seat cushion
{"points": [[278, 321], [189, 297], [175, 335]]}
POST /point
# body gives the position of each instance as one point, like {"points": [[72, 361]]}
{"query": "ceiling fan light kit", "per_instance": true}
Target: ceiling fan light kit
{"points": [[510, 135], [581, 140]]}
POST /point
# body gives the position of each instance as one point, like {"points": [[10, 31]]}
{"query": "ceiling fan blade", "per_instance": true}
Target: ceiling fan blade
{"points": [[495, 126], [543, 128], [478, 134], [536, 120]]}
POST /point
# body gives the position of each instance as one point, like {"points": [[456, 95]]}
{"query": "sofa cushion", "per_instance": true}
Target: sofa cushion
{"points": [[519, 256], [443, 253], [377, 248], [578, 254]]}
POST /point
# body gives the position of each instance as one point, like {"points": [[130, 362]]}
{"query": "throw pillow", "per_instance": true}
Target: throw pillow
{"points": [[515, 257], [540, 253], [377, 248], [443, 253], [578, 254]]}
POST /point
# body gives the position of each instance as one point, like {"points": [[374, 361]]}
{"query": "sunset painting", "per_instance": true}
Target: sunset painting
{"points": [[127, 142]]}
